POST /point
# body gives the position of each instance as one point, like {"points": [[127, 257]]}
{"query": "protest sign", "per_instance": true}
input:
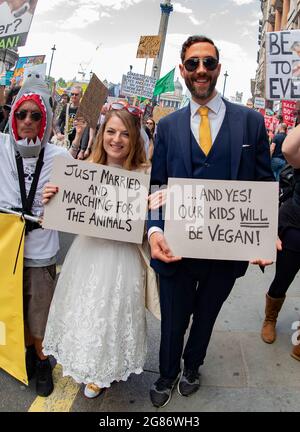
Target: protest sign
{"points": [[98, 201], [134, 84], [283, 65], [160, 112], [92, 101], [148, 46], [5, 78], [259, 102], [12, 346], [18, 75], [15, 21], [228, 220], [288, 112]]}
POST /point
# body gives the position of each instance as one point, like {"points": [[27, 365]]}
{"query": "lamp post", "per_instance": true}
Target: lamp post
{"points": [[225, 75], [53, 49]]}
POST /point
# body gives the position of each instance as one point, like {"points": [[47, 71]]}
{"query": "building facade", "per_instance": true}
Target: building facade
{"points": [[172, 99]]}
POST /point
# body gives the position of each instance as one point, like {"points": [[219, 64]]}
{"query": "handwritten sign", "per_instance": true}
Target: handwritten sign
{"points": [[134, 84], [160, 112], [283, 65], [259, 102], [148, 46], [226, 220], [97, 200], [15, 21], [92, 101]]}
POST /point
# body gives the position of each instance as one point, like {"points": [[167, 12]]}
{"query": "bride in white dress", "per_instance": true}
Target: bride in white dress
{"points": [[96, 327]]}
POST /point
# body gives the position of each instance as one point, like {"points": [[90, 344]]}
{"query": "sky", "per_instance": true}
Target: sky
{"points": [[103, 35]]}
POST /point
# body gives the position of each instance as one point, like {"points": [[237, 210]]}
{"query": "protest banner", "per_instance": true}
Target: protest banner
{"points": [[227, 220], [98, 201], [12, 347], [15, 21], [134, 84], [283, 65], [18, 75], [148, 47], [288, 112], [92, 101]]}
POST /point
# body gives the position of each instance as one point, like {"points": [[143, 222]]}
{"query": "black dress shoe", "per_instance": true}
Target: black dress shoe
{"points": [[189, 382], [44, 381], [31, 359], [161, 391]]}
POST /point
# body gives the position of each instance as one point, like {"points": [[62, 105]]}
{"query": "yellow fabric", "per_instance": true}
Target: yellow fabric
{"points": [[12, 347], [205, 141]]}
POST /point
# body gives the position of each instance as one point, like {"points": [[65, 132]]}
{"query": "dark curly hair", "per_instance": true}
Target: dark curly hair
{"points": [[196, 39]]}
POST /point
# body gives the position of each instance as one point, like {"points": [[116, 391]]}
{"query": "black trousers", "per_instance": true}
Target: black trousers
{"points": [[199, 289], [287, 266]]}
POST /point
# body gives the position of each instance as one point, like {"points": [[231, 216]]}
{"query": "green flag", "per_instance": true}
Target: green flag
{"points": [[165, 84]]}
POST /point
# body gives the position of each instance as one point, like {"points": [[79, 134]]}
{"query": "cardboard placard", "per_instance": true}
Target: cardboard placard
{"points": [[98, 200], [160, 112], [148, 46], [134, 84], [218, 219], [92, 101]]}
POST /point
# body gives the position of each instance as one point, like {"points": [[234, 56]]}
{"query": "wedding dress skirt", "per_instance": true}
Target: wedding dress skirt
{"points": [[96, 327]]}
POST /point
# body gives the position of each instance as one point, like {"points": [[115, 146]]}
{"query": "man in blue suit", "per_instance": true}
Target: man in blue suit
{"points": [[231, 144]]}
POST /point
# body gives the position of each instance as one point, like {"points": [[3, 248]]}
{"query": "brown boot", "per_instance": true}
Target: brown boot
{"points": [[296, 350], [273, 306]]}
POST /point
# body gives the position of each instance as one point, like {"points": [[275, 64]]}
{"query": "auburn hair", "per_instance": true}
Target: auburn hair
{"points": [[137, 155]]}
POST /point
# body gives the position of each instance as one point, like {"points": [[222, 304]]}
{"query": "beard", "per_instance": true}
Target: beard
{"points": [[198, 93]]}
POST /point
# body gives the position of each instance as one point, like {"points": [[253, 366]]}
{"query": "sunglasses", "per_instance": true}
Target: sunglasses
{"points": [[34, 115], [74, 94], [135, 111], [210, 63]]}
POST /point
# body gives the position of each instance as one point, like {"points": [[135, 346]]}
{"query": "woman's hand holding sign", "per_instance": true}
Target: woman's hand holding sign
{"points": [[49, 191]]}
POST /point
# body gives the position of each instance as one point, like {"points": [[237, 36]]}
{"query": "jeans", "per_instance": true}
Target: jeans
{"points": [[277, 164]]}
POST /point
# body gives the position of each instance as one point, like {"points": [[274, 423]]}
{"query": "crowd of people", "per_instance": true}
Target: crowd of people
{"points": [[92, 319]]}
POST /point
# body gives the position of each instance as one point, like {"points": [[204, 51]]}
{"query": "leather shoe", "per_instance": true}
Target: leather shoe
{"points": [[44, 381]]}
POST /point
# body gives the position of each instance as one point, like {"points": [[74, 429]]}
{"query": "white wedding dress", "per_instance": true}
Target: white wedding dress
{"points": [[96, 327]]}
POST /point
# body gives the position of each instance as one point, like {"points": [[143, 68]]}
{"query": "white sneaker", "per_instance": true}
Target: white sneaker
{"points": [[92, 390]]}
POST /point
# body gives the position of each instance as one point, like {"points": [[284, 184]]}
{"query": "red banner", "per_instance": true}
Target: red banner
{"points": [[288, 112], [271, 122]]}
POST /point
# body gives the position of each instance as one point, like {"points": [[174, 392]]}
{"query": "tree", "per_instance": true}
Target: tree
{"points": [[61, 83]]}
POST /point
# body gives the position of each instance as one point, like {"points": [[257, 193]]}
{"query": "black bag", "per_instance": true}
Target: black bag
{"points": [[286, 183]]}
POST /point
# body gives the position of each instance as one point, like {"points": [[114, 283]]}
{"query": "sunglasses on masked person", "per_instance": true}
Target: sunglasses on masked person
{"points": [[34, 115], [135, 111], [210, 63]]}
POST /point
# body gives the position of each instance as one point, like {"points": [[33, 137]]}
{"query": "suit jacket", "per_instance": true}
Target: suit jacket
{"points": [[250, 157]]}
